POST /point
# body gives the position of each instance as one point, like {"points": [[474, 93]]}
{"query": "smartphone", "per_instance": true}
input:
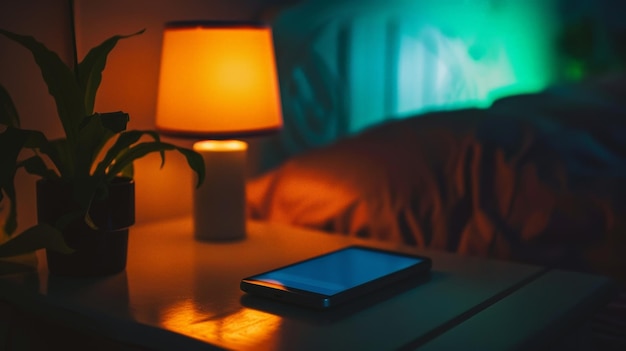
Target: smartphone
{"points": [[337, 277]]}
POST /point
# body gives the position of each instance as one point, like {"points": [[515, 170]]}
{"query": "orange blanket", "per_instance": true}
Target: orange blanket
{"points": [[537, 178]]}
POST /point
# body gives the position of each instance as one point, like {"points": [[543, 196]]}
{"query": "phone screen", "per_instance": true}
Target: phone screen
{"points": [[337, 272]]}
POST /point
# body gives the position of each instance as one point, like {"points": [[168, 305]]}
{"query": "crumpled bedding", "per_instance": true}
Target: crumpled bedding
{"points": [[538, 178]]}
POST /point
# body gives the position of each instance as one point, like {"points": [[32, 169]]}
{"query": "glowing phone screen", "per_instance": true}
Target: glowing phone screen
{"points": [[333, 273]]}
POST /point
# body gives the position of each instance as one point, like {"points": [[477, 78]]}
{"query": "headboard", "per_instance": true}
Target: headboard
{"points": [[345, 65]]}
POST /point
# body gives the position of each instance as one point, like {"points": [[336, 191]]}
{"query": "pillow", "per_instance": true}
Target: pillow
{"points": [[370, 185]]}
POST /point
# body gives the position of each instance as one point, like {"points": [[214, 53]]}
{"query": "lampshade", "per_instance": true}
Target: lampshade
{"points": [[218, 80]]}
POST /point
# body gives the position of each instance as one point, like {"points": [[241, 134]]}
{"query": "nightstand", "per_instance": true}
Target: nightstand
{"points": [[181, 294]]}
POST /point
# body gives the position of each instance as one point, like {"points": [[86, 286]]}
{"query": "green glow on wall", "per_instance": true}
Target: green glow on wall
{"points": [[345, 65], [470, 53]]}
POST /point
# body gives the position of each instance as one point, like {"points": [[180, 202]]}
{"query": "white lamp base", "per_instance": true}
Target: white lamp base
{"points": [[220, 202]]}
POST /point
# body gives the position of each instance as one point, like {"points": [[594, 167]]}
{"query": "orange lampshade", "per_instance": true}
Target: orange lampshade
{"points": [[217, 80]]}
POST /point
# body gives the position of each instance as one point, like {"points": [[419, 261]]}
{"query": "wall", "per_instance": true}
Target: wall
{"points": [[346, 65]]}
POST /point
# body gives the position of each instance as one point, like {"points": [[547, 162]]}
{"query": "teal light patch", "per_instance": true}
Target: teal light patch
{"points": [[471, 53], [345, 65]]}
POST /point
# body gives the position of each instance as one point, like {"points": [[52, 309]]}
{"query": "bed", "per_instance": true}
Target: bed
{"points": [[538, 178], [433, 150]]}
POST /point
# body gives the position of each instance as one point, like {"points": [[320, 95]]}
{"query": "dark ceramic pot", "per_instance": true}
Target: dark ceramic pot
{"points": [[97, 252]]}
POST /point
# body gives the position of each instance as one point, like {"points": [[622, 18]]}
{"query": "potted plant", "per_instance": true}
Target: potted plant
{"points": [[85, 194]]}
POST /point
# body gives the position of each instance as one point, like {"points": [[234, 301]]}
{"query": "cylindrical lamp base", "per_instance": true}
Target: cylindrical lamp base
{"points": [[219, 203]]}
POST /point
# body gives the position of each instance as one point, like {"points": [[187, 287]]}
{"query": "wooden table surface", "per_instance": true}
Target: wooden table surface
{"points": [[177, 293]]}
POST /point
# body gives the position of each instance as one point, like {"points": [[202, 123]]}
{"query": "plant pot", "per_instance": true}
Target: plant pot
{"points": [[98, 252]]}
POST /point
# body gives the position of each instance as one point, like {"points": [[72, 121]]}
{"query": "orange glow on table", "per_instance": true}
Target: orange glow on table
{"points": [[244, 327]]}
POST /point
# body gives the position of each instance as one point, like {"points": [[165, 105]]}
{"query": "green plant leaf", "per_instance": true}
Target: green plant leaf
{"points": [[135, 152], [8, 113], [35, 165], [59, 152], [61, 83], [12, 141], [196, 162], [90, 70], [40, 236], [37, 141], [121, 145], [128, 171], [96, 130], [123, 142], [116, 122]]}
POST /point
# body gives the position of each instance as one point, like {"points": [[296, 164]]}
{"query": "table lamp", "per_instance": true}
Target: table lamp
{"points": [[218, 82]]}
